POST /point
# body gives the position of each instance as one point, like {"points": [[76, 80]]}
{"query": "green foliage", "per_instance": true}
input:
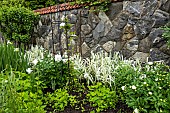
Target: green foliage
{"points": [[10, 3], [101, 97], [17, 23], [37, 4], [60, 99], [166, 34], [16, 94], [12, 57], [101, 4], [148, 91]]}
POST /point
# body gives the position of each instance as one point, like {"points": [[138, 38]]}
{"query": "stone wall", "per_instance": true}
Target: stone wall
{"points": [[130, 27]]}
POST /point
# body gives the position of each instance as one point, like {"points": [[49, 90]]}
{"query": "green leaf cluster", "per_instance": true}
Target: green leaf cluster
{"points": [[101, 97], [17, 95], [60, 99]]}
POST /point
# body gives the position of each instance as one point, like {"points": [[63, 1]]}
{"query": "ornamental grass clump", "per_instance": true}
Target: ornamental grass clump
{"points": [[12, 57]]}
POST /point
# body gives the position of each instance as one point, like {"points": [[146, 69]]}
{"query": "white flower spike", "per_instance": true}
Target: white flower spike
{"points": [[35, 61], [58, 58]]}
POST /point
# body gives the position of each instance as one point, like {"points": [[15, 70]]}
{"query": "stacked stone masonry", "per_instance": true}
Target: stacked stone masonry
{"points": [[131, 27]]}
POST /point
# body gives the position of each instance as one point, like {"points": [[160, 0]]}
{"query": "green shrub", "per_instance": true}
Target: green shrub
{"points": [[101, 97], [148, 91], [17, 23], [12, 57], [54, 74]]}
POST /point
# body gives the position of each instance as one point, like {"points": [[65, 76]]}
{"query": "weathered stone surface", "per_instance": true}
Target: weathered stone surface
{"points": [[84, 13], [108, 26], [84, 21], [114, 34], [149, 7], [160, 18], [93, 20], [74, 11], [85, 48], [165, 49], [165, 6], [141, 56], [99, 30], [145, 45], [103, 40], [143, 28], [127, 53], [155, 36], [108, 46], [103, 16], [121, 20], [97, 48], [128, 32], [119, 45], [86, 29], [114, 10], [88, 38], [72, 18], [134, 8], [132, 44], [157, 55]]}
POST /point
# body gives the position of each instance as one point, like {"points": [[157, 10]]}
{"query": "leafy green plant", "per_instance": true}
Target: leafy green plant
{"points": [[60, 99], [17, 96], [148, 91], [12, 57], [166, 34], [17, 23], [101, 97]]}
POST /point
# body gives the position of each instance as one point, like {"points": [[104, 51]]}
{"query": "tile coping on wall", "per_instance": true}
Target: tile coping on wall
{"points": [[62, 7]]}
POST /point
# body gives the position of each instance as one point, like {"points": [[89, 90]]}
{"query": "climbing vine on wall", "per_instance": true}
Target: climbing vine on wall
{"points": [[100, 4]]}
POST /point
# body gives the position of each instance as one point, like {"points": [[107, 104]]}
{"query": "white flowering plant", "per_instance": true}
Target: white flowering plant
{"points": [[100, 67], [54, 71], [149, 91]]}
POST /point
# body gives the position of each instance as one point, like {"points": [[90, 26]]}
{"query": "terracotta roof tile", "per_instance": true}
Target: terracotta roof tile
{"points": [[62, 7]]}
